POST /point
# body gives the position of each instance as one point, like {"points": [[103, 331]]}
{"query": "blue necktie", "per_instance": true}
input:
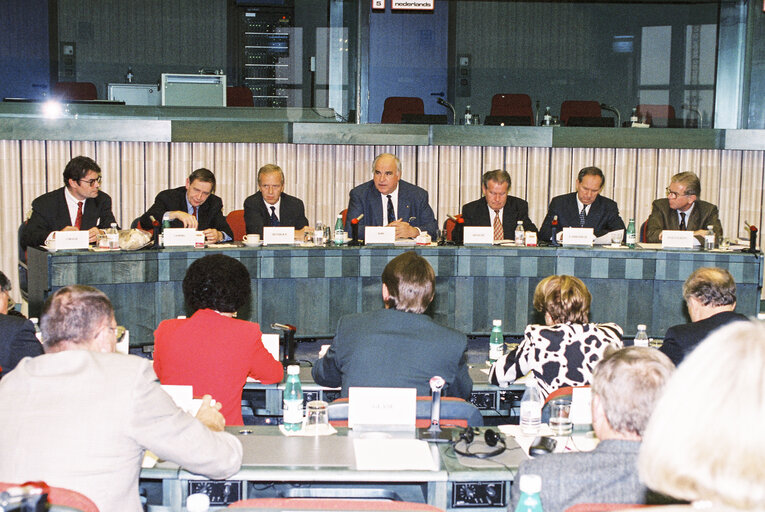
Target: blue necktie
{"points": [[274, 218], [582, 216]]}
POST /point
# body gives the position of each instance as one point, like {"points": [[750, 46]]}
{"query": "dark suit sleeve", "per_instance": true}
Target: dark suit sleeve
{"points": [[219, 221], [612, 221], [22, 344], [523, 214], [545, 232], [326, 370], [105, 213], [426, 219], [356, 208], [162, 204], [463, 384], [671, 347], [713, 219], [302, 220], [470, 214], [37, 228], [253, 219], [655, 224]]}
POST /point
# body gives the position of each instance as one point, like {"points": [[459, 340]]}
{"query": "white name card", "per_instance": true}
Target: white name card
{"points": [[281, 235], [581, 406], [578, 236], [71, 240], [671, 239], [379, 235], [478, 235], [271, 343], [531, 238], [183, 237], [382, 407]]}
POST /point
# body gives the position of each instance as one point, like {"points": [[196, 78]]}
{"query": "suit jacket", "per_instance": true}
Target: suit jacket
{"points": [[50, 213], [256, 215], [209, 214], [476, 213], [680, 340], [608, 474], [412, 202], [603, 216], [17, 341], [390, 348], [192, 351], [82, 420], [663, 217]]}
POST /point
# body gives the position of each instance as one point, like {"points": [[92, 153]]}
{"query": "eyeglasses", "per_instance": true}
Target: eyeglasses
{"points": [[118, 331], [91, 182], [674, 195]]}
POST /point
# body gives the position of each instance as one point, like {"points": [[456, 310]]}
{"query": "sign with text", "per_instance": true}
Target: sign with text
{"points": [[278, 235], [382, 407], [71, 240], [378, 4], [675, 239], [182, 237], [578, 236], [379, 235], [477, 235], [413, 5]]}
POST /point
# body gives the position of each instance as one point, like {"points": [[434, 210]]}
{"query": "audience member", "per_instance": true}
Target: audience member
{"points": [[80, 416], [626, 384], [17, 334], [584, 208], [270, 206], [192, 206], [682, 210], [398, 346], [564, 351], [213, 351], [387, 200], [710, 294], [496, 208], [78, 205], [702, 443]]}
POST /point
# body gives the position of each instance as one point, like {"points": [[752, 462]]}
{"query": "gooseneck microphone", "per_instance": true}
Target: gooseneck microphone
{"points": [[448, 105], [615, 111]]}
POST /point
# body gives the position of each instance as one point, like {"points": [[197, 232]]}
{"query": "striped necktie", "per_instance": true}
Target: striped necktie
{"points": [[682, 221], [582, 216], [78, 220], [499, 233]]}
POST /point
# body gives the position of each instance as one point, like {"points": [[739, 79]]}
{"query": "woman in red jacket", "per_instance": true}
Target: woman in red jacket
{"points": [[212, 350]]}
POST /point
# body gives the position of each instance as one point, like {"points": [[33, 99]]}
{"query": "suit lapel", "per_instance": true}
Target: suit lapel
{"points": [[573, 210], [593, 216], [404, 205], [89, 214], [375, 203], [694, 219]]}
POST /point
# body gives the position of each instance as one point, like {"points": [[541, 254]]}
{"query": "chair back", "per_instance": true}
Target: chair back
{"points": [[235, 219], [651, 112], [449, 225], [74, 91], [395, 106], [644, 232], [58, 496], [332, 504], [23, 269], [344, 213], [239, 96], [577, 108], [455, 412], [516, 105]]}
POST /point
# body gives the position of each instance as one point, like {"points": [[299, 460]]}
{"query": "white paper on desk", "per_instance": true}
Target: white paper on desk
{"points": [[393, 454], [271, 342], [606, 239], [482, 235], [379, 235], [578, 236], [278, 235]]}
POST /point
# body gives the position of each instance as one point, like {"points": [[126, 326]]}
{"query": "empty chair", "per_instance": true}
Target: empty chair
{"points": [[239, 96], [515, 107], [585, 113], [656, 115], [396, 106], [235, 219], [74, 91]]}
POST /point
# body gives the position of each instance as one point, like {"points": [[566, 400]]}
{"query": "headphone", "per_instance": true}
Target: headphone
{"points": [[492, 438]]}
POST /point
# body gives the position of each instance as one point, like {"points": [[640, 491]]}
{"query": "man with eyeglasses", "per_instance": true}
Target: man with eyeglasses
{"points": [[683, 210], [270, 206], [79, 205]]}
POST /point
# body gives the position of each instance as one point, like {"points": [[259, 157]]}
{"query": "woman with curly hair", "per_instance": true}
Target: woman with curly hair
{"points": [[212, 350]]}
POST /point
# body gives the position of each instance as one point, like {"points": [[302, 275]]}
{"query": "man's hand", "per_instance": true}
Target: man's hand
{"points": [[209, 415], [700, 232], [213, 236], [69, 228], [403, 229], [93, 234], [188, 220]]}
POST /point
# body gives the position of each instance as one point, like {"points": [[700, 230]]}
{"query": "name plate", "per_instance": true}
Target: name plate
{"points": [[578, 236], [672, 239], [379, 235], [395, 408], [182, 237], [71, 240], [280, 235], [478, 235]]}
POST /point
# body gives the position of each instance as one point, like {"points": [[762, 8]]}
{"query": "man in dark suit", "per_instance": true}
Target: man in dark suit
{"points": [[387, 200], [193, 206], [270, 206], [78, 205], [17, 334], [683, 210], [496, 208], [626, 385], [584, 208], [710, 294], [398, 346]]}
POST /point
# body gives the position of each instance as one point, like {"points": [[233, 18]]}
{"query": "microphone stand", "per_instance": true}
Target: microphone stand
{"points": [[448, 105], [434, 433], [615, 111]]}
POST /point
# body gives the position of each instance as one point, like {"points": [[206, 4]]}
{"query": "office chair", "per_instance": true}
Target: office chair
{"points": [[332, 504], [23, 268], [449, 225], [58, 496], [512, 105], [644, 232], [395, 106], [239, 96], [656, 115], [235, 219], [74, 91], [455, 412], [578, 109]]}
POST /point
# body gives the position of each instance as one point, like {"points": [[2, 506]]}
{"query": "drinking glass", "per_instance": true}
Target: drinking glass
{"points": [[560, 422], [317, 418]]}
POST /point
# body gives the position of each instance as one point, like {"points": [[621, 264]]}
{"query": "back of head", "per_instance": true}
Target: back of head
{"points": [[690, 181], [78, 167], [204, 175], [498, 175], [711, 286], [216, 282], [74, 314], [411, 283], [564, 298], [702, 442], [629, 382], [5, 283]]}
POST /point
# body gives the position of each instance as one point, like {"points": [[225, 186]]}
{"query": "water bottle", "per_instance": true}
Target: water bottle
{"points": [[547, 119], [641, 338], [531, 409], [530, 485], [520, 234], [633, 117], [129, 75], [496, 342], [292, 410], [709, 239], [468, 116], [339, 231], [631, 238], [113, 236]]}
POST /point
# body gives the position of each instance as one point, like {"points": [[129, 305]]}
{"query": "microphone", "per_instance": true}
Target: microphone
{"points": [[436, 385], [685, 106], [289, 341], [615, 111], [448, 105]]}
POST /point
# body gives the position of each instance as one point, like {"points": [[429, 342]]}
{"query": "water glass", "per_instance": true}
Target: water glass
{"points": [[318, 234], [616, 239], [317, 418], [560, 421]]}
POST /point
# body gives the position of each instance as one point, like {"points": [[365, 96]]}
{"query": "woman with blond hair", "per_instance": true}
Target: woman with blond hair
{"points": [[564, 351]]}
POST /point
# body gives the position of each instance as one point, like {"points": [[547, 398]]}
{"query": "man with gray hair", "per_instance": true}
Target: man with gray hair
{"points": [[626, 385], [80, 416], [270, 206], [710, 294]]}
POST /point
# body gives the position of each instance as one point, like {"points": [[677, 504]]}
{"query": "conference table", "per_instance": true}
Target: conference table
{"points": [[312, 287]]}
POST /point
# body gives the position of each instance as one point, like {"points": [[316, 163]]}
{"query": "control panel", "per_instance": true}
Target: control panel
{"points": [[220, 492], [480, 494]]}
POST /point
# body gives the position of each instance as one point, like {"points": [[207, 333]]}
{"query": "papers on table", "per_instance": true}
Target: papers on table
{"points": [[608, 237]]}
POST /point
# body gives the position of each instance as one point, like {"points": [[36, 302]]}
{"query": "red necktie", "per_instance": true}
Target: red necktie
{"points": [[78, 220], [195, 212]]}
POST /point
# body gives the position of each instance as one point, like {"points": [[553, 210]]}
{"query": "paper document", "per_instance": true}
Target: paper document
{"points": [[608, 237], [393, 454]]}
